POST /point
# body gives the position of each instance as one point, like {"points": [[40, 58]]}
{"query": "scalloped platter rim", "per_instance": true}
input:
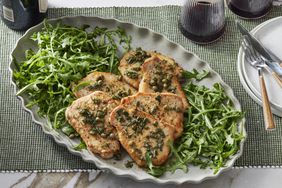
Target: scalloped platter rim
{"points": [[148, 40]]}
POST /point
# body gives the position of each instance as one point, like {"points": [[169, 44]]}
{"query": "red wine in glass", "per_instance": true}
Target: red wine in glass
{"points": [[250, 8], [202, 21]]}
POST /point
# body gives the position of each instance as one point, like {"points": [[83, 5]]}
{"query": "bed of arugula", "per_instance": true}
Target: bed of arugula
{"points": [[66, 54]]}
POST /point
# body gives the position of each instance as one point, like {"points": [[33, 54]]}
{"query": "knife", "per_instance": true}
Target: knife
{"points": [[274, 57], [269, 60]]}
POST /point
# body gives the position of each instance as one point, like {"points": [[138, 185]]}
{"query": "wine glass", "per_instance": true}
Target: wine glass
{"points": [[202, 21], [250, 9]]}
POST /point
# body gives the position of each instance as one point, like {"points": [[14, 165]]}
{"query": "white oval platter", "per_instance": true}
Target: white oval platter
{"points": [[148, 40]]}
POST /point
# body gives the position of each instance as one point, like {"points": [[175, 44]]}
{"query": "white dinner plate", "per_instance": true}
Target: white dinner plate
{"points": [[270, 34], [148, 40]]}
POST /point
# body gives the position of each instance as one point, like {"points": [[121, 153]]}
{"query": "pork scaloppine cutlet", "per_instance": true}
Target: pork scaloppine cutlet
{"points": [[89, 116], [131, 64], [159, 77], [140, 133], [103, 81], [166, 107]]}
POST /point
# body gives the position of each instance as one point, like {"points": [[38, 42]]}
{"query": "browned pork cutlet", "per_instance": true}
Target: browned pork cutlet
{"points": [[166, 107], [89, 116], [140, 133], [159, 77], [103, 81], [130, 65]]}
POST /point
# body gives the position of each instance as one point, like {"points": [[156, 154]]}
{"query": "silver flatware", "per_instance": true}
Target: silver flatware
{"points": [[274, 57], [258, 63], [259, 58], [269, 60]]}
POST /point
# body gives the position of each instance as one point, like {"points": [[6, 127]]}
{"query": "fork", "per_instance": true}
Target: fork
{"points": [[256, 61], [258, 57]]}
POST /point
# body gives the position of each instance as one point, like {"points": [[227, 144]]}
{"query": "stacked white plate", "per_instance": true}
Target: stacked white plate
{"points": [[269, 34]]}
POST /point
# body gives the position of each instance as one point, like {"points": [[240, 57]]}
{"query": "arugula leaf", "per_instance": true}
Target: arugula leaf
{"points": [[80, 146], [68, 130], [65, 55], [195, 74], [210, 136], [156, 171], [210, 133]]}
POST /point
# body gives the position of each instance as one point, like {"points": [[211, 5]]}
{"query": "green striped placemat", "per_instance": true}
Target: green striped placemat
{"points": [[24, 146]]}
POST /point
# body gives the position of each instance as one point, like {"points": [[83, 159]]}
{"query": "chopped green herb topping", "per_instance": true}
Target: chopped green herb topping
{"points": [[96, 101], [97, 122], [132, 74], [139, 56], [129, 164], [89, 118], [134, 122], [158, 137], [121, 94], [158, 98], [161, 81], [98, 84]]}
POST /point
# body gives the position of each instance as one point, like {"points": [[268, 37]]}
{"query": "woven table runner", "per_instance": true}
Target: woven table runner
{"points": [[24, 146]]}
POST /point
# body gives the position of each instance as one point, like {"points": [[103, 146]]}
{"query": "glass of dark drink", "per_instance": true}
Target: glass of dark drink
{"points": [[202, 21], [250, 9]]}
